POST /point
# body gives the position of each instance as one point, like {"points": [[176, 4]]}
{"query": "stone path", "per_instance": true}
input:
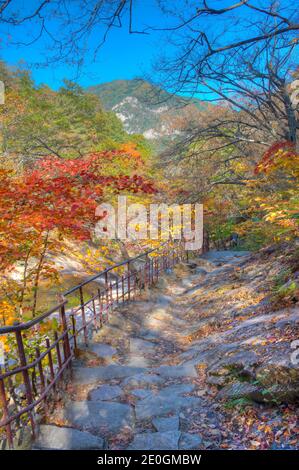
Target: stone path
{"points": [[136, 387]]}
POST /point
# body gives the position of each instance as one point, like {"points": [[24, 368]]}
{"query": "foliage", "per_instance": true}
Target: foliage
{"points": [[277, 190], [55, 201], [69, 123], [62, 154]]}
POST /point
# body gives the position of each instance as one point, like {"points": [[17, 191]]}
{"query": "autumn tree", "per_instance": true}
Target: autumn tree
{"points": [[48, 204], [37, 121]]}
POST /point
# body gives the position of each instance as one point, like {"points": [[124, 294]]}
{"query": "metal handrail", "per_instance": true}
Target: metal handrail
{"points": [[41, 370], [17, 326], [26, 325], [107, 270]]}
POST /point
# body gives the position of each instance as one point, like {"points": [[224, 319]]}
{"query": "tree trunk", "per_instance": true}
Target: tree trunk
{"points": [[291, 118]]}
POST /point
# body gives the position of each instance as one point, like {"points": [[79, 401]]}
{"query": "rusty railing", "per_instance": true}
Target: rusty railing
{"points": [[38, 354]]}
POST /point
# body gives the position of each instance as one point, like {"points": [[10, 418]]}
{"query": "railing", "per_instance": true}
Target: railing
{"points": [[40, 351]]}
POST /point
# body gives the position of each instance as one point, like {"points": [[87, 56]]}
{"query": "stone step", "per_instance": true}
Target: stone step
{"points": [[167, 424], [104, 418], [160, 405], [105, 393], [168, 440], [156, 441], [142, 380], [176, 371], [90, 375], [61, 438]]}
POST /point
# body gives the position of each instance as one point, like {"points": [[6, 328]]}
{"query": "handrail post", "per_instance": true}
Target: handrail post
{"points": [[117, 293], [23, 363], [74, 332], [147, 270], [94, 313], [100, 307], [3, 402], [66, 342], [107, 289], [123, 287], [83, 315], [129, 281]]}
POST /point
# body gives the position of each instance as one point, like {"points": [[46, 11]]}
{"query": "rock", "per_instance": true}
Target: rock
{"points": [[167, 424], [282, 446], [217, 257], [138, 345], [162, 283], [177, 371], [241, 390], [115, 334], [291, 320], [236, 364], [103, 350], [200, 271], [191, 265], [189, 441], [177, 389], [164, 300], [105, 393], [150, 334], [56, 438], [141, 393], [278, 371], [142, 380], [105, 418], [159, 405], [137, 361], [23, 439], [288, 393], [89, 375], [155, 441], [240, 359], [220, 380], [118, 320], [280, 379]]}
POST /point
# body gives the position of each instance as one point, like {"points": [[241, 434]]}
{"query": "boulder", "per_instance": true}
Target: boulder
{"points": [[241, 390]]}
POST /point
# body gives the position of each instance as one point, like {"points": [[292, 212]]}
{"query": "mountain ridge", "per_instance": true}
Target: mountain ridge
{"points": [[147, 109]]}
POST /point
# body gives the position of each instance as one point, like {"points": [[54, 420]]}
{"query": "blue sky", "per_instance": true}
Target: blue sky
{"points": [[123, 56]]}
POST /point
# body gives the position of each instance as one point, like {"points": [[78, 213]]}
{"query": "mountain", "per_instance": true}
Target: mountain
{"points": [[146, 109]]}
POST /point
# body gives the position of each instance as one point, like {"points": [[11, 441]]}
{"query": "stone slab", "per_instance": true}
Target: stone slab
{"points": [[105, 393], [155, 441], [60, 438], [89, 375], [167, 424], [104, 418]]}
